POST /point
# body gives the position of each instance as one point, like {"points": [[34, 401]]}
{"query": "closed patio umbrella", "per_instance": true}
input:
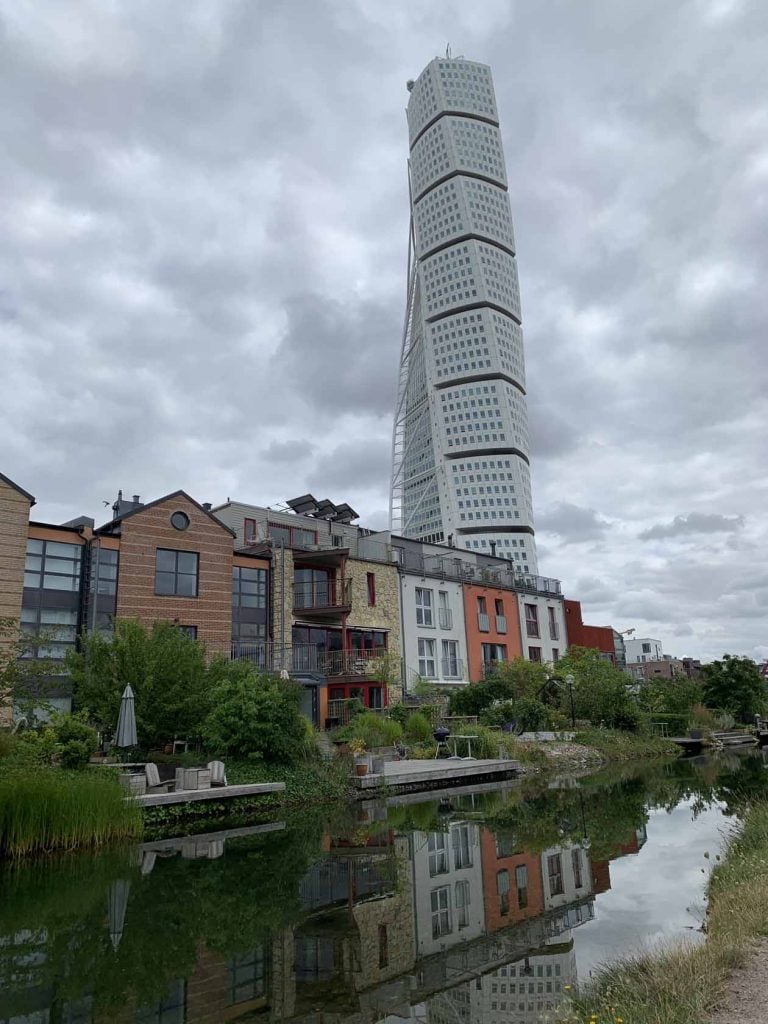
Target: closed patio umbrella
{"points": [[125, 736], [117, 905]]}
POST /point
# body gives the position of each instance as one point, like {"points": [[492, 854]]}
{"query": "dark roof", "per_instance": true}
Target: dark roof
{"points": [[166, 497], [16, 487]]}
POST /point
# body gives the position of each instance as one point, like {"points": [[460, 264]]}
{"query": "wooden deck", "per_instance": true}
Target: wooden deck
{"points": [[189, 796], [446, 773]]}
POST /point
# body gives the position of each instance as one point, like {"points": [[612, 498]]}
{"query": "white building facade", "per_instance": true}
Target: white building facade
{"points": [[460, 466], [542, 623], [643, 649], [434, 637]]}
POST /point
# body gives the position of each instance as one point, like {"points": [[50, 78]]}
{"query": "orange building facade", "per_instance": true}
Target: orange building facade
{"points": [[513, 887], [493, 628]]}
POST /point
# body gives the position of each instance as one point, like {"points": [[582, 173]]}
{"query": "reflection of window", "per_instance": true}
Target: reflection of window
{"points": [[502, 888], [521, 882], [424, 607], [505, 846], [576, 863], [246, 976], [176, 573], [462, 846], [440, 900], [427, 666], [171, 1009], [437, 844], [555, 874], [462, 904]]}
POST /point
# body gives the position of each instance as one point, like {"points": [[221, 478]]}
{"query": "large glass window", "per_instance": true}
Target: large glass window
{"points": [[427, 666], [314, 588], [424, 614], [51, 565], [246, 976], [440, 900], [532, 620], [176, 573], [462, 846], [554, 632], [450, 665], [555, 874], [437, 846], [249, 604]]}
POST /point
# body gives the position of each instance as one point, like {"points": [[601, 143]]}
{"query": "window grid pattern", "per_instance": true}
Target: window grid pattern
{"points": [[462, 206], [456, 144], [470, 272], [450, 85]]}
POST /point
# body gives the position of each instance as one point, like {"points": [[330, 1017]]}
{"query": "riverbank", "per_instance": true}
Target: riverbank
{"points": [[593, 748], [696, 984]]}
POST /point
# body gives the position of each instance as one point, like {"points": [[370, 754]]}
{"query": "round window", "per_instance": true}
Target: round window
{"points": [[180, 520]]}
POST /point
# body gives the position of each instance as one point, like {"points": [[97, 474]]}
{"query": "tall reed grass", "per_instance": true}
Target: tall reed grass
{"points": [[48, 809]]}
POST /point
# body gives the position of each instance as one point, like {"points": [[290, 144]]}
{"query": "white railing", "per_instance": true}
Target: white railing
{"points": [[483, 622]]}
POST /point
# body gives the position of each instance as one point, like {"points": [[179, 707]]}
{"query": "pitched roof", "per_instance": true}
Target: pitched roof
{"points": [[166, 497], [16, 487]]}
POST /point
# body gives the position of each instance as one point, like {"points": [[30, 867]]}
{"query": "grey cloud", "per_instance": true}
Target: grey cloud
{"points": [[694, 522], [288, 451], [202, 250], [572, 523]]}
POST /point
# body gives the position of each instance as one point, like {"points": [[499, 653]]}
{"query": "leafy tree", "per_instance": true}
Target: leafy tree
{"points": [[601, 691], [165, 668], [255, 716], [508, 681], [27, 676], [735, 684]]}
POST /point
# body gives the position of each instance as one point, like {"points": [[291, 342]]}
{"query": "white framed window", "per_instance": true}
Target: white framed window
{"points": [[462, 904], [450, 660], [427, 661], [462, 846], [424, 607], [440, 900], [437, 846]]}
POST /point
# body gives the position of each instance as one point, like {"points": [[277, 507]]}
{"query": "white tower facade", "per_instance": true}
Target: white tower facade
{"points": [[460, 453]]}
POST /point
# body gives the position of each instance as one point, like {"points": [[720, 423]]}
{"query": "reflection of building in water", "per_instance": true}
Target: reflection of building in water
{"points": [[566, 874], [601, 869], [512, 881], [448, 887]]}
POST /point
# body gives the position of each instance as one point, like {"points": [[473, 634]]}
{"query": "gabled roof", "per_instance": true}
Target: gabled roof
{"points": [[158, 501], [16, 487]]}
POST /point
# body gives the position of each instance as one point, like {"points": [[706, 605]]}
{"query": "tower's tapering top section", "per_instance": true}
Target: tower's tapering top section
{"points": [[450, 85]]}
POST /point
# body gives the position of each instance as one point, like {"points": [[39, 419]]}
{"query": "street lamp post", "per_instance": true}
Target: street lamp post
{"points": [[569, 683]]}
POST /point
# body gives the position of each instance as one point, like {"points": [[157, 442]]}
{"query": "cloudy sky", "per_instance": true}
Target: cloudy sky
{"points": [[203, 222]]}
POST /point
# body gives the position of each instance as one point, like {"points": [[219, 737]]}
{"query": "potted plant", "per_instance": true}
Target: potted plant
{"points": [[357, 749]]}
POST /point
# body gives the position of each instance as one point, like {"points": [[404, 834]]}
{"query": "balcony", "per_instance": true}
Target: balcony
{"points": [[483, 622], [323, 597], [445, 618], [501, 623], [306, 658]]}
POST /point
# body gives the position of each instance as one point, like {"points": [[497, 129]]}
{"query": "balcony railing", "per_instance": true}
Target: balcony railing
{"points": [[490, 666], [452, 668], [532, 628], [322, 595], [554, 632], [445, 618], [483, 622], [501, 623], [308, 658]]}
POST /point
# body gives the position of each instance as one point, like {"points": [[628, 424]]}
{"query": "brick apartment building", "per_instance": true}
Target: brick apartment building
{"points": [[600, 638]]}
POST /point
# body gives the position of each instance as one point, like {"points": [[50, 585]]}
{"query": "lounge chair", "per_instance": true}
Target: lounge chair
{"points": [[154, 785], [218, 773]]}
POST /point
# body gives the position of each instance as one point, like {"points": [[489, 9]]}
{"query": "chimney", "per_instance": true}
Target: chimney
{"points": [[493, 548], [137, 499], [207, 506]]}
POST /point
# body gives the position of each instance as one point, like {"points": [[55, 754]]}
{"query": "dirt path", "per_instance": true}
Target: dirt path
{"points": [[747, 993]]}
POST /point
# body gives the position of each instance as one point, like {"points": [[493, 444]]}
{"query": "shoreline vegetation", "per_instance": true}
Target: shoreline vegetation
{"points": [[686, 983]]}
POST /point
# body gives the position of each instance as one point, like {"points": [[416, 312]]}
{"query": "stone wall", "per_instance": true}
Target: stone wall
{"points": [[383, 614]]}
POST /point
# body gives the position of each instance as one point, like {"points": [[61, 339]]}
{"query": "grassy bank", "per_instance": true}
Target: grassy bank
{"points": [[683, 984], [45, 809], [617, 745]]}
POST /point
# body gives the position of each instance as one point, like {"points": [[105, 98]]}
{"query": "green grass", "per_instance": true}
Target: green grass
{"points": [[618, 745], [310, 782], [683, 984], [46, 809]]}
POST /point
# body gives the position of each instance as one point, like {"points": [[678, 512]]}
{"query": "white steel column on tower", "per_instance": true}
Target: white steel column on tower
{"points": [[460, 451]]}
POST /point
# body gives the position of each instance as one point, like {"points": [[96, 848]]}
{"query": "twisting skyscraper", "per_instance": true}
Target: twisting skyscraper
{"points": [[460, 468]]}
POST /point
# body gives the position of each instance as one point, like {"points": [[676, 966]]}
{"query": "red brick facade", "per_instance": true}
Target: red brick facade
{"points": [[598, 638]]}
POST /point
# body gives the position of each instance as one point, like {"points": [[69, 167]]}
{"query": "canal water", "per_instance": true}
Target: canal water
{"points": [[486, 906]]}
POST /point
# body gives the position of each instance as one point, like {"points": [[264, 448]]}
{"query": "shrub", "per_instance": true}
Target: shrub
{"points": [[376, 730], [418, 728], [529, 713], [75, 741], [256, 716]]}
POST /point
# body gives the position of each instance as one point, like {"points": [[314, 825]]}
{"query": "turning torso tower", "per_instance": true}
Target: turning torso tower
{"points": [[460, 465]]}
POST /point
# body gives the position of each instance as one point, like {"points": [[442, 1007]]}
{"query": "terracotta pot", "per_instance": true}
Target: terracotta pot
{"points": [[361, 767]]}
